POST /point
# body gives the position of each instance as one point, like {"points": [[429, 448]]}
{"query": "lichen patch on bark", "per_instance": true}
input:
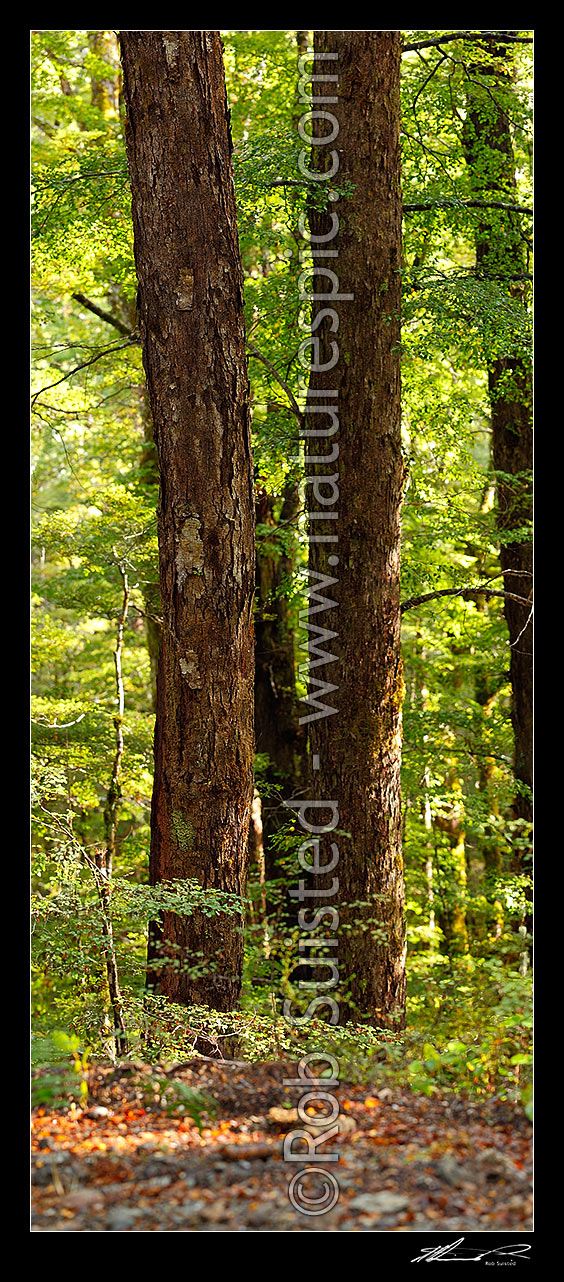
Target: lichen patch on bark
{"points": [[190, 551], [172, 47], [190, 670], [184, 291]]}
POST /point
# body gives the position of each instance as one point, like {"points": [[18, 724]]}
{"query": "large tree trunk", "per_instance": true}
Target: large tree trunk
{"points": [[191, 317], [359, 749], [500, 255]]}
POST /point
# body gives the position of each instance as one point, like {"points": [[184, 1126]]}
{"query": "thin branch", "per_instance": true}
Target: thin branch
{"points": [[466, 594], [289, 393], [39, 187], [442, 278], [466, 204], [113, 796], [56, 725], [467, 35], [53, 349], [286, 182], [431, 151], [103, 889], [428, 78], [103, 315], [105, 352], [408, 207], [104, 859], [77, 178], [523, 629]]}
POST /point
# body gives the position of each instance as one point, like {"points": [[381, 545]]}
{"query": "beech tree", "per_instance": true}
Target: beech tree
{"points": [[191, 319], [501, 256], [359, 749]]}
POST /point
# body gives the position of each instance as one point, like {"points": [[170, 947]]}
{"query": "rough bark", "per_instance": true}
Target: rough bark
{"points": [[501, 254], [359, 749], [149, 476], [191, 319]]}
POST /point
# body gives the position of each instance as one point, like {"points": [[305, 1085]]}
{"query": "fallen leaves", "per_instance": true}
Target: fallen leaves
{"points": [[404, 1161]]}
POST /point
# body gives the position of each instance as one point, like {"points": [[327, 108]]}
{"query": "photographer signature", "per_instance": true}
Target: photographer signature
{"points": [[455, 1251]]}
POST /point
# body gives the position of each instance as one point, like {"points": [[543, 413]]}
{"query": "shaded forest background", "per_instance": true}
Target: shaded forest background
{"points": [[466, 776]]}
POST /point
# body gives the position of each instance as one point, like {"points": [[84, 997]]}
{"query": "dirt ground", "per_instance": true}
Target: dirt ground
{"points": [[133, 1159]]}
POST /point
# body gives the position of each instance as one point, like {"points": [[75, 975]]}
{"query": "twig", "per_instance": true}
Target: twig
{"points": [[103, 315], [84, 365], [523, 629], [466, 594], [289, 393], [453, 203], [499, 38], [56, 725]]}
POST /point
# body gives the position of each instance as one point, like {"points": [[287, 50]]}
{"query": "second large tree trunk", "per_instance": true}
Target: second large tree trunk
{"points": [[359, 749], [191, 317], [500, 255]]}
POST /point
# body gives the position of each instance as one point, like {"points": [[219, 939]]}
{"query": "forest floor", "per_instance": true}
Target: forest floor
{"points": [[130, 1161]]}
